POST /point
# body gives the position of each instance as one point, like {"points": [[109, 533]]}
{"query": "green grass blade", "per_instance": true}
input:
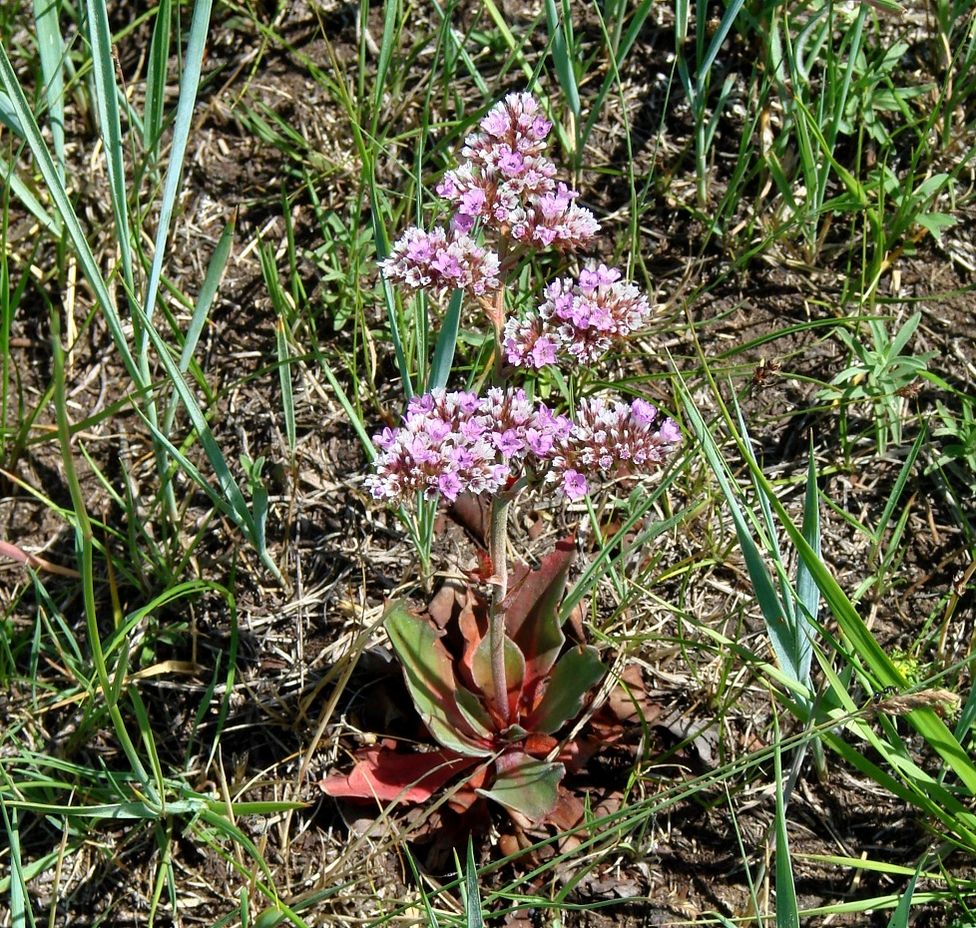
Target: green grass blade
{"points": [[284, 378], [899, 918], [207, 294], [8, 117], [440, 366], [56, 189], [428, 909], [807, 591], [354, 420], [383, 62], [563, 52], [782, 633], [148, 739], [84, 543], [603, 562], [457, 48], [285, 310], [787, 912], [28, 200], [770, 538], [925, 721], [21, 914], [106, 103], [51, 49], [159, 51], [728, 18], [473, 917], [107, 107], [189, 85]]}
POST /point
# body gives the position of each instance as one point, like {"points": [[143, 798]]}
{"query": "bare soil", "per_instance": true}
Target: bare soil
{"points": [[341, 556]]}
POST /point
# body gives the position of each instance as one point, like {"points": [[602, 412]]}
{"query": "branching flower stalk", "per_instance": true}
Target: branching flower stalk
{"points": [[507, 204]]}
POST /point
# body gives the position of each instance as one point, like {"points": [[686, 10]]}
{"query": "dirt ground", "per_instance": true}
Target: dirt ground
{"points": [[342, 556]]}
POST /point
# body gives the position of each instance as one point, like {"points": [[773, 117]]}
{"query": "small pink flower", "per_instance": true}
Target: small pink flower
{"points": [[577, 319], [441, 263], [609, 442], [574, 484], [507, 182], [454, 442]]}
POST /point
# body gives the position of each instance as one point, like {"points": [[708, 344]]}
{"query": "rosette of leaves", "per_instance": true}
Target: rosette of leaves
{"points": [[444, 653]]}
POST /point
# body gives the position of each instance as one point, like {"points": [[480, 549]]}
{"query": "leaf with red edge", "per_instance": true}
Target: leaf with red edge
{"points": [[386, 775], [429, 674], [576, 673], [532, 608], [473, 625], [527, 785]]}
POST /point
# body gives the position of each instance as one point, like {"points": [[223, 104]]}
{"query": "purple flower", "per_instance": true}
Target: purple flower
{"points": [[440, 263], [449, 485], [574, 484], [451, 442], [506, 181], [577, 319], [608, 442]]}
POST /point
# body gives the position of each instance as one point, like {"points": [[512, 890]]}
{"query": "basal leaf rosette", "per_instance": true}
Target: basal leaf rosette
{"points": [[516, 762]]}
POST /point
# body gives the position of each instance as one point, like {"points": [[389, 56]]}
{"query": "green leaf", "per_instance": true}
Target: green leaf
{"points": [[899, 918], [787, 912], [429, 673], [576, 673], [52, 53], [935, 223], [563, 54], [182, 124], [514, 667], [904, 335], [473, 916], [807, 591], [159, 49], [106, 98], [440, 366], [782, 633], [526, 785], [716, 44], [8, 116]]}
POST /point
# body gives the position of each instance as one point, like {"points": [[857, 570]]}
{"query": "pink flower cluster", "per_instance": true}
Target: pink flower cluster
{"points": [[441, 263], [454, 442], [578, 318], [507, 182], [608, 442]]}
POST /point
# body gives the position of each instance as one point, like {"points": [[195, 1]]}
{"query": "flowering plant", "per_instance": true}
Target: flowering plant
{"points": [[493, 680]]}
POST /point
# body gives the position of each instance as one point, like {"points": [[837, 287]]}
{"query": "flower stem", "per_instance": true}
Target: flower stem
{"points": [[496, 616]]}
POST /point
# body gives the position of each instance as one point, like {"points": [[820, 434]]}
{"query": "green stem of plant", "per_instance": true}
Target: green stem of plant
{"points": [[497, 544], [85, 545]]}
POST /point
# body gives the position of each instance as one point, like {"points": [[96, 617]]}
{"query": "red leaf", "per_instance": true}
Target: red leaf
{"points": [[473, 624], [532, 608], [473, 512], [386, 775]]}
